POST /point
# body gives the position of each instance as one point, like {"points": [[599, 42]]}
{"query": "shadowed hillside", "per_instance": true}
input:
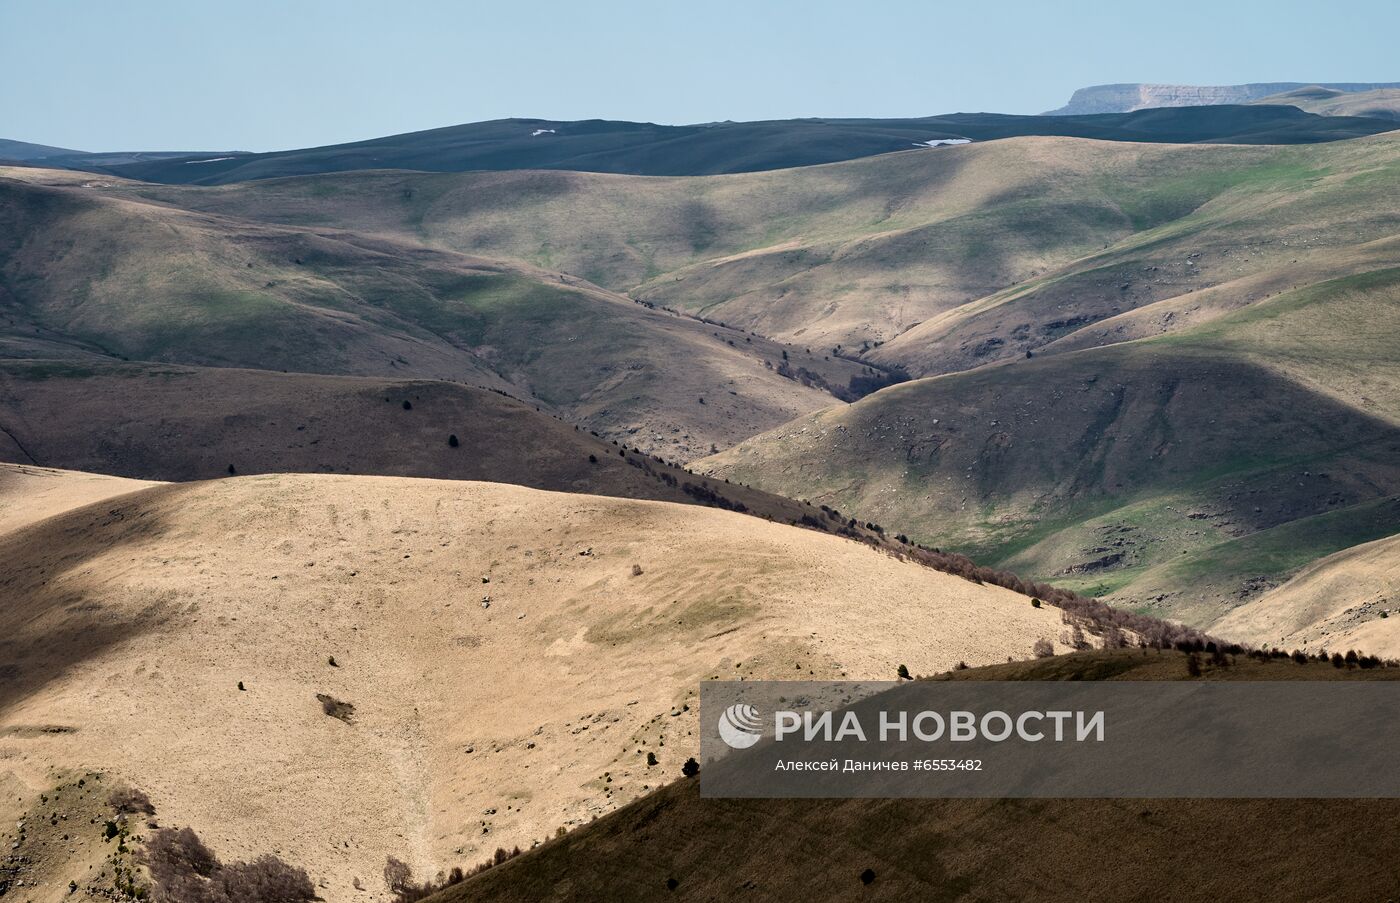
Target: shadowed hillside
{"points": [[673, 845], [1173, 478], [185, 423]]}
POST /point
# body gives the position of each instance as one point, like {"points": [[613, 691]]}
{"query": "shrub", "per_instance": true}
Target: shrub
{"points": [[636, 570], [902, 672], [1043, 648], [1193, 664], [407, 405], [452, 441], [130, 801], [1035, 603], [691, 767], [266, 879], [651, 758], [592, 459]]}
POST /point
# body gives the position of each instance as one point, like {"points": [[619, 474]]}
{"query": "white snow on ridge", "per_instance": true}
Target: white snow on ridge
{"points": [[538, 132], [210, 160], [939, 142]]}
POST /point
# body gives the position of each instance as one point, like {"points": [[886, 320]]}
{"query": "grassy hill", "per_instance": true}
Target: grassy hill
{"points": [[972, 850], [1180, 475], [341, 669], [951, 257], [87, 274], [643, 148], [1381, 103], [1217, 239]]}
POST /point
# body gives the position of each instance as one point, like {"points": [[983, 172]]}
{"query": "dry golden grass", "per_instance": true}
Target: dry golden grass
{"points": [[29, 494], [976, 851], [129, 625], [1348, 600]]}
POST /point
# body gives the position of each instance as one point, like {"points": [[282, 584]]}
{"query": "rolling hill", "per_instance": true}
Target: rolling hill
{"points": [[89, 274], [951, 258], [31, 494], [673, 845], [342, 669], [1380, 103], [643, 148], [1180, 475], [1123, 98], [23, 151]]}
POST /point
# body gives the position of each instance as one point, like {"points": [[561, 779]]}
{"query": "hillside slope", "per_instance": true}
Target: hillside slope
{"points": [[674, 845], [1181, 475], [30, 494], [951, 257], [185, 423], [1350, 599], [1221, 237], [90, 275], [497, 660], [1381, 103]]}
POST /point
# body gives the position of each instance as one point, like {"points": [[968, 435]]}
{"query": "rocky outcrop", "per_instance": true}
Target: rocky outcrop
{"points": [[1128, 97]]}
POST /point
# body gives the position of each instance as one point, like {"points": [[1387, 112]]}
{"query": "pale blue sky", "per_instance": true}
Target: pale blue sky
{"points": [[256, 75]]}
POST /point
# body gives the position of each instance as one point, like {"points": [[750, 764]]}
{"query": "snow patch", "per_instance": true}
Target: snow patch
{"points": [[940, 142], [210, 160], [538, 132]]}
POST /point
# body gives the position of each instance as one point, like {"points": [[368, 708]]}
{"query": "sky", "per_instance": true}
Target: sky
{"points": [[253, 75]]}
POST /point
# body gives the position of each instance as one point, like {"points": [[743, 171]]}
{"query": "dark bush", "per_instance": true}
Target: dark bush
{"points": [[691, 767], [130, 801], [452, 441], [266, 879], [184, 870]]}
